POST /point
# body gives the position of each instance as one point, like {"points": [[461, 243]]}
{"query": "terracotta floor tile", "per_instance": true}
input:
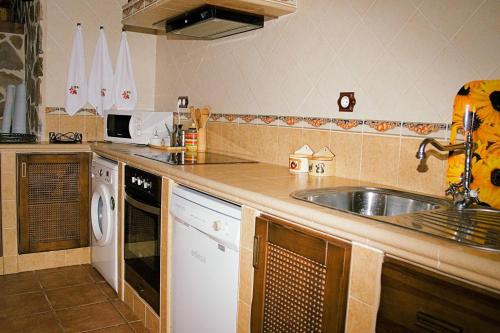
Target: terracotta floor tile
{"points": [[23, 304], [12, 286], [40, 323], [138, 328], [74, 296], [116, 329], [63, 278], [89, 317], [125, 311], [94, 274], [107, 290], [19, 276]]}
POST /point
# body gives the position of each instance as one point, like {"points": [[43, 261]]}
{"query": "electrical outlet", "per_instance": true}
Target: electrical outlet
{"points": [[182, 102], [346, 101]]}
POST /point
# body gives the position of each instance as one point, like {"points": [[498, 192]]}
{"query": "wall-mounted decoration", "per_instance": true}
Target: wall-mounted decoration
{"points": [[346, 102], [483, 97]]}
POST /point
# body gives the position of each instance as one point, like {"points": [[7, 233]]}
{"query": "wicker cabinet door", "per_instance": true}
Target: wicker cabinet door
{"points": [[300, 280], [53, 201]]}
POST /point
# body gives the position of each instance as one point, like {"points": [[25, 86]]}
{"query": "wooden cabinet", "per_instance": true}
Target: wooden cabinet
{"points": [[148, 14], [300, 280], [417, 300], [53, 201]]}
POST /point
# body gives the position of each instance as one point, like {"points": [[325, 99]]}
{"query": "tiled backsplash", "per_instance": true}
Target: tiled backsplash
{"points": [[404, 59], [384, 159]]}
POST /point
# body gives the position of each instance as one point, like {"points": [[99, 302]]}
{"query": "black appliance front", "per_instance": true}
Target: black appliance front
{"points": [[142, 234], [117, 125]]}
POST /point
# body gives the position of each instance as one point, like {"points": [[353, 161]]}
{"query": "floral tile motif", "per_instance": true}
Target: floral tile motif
{"points": [[382, 126], [230, 118], [215, 117], [317, 123], [247, 118], [424, 129], [348, 124], [268, 120], [291, 121]]}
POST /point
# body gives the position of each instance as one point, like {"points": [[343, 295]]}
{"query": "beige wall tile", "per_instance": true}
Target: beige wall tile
{"points": [[128, 296], [10, 265], [213, 136], [139, 308], [244, 313], [9, 186], [360, 317], [90, 133], [229, 137], [366, 267], [152, 321], [347, 148], [8, 162], [100, 129], [266, 143], [9, 242], [289, 140], [78, 256], [9, 214], [31, 261], [316, 139], [72, 124], [246, 275], [246, 142], [51, 124], [380, 159], [55, 259], [432, 181]]}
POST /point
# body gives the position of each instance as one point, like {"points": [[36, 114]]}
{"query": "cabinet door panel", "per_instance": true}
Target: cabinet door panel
{"points": [[300, 282], [417, 300], [53, 201]]}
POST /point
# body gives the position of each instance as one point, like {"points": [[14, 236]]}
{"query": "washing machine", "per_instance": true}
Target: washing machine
{"points": [[104, 219]]}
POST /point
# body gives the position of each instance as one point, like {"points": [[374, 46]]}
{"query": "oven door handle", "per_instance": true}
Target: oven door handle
{"points": [[142, 206]]}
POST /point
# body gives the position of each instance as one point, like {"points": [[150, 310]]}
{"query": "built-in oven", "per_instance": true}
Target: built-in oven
{"points": [[142, 234]]}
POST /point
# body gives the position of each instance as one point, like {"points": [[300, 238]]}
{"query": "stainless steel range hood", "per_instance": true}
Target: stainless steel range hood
{"points": [[211, 22]]}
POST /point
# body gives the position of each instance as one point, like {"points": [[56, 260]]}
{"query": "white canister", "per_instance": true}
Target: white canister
{"points": [[320, 166], [298, 163]]}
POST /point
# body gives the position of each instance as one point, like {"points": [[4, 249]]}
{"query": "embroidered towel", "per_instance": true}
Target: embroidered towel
{"points": [[19, 114], [9, 108], [76, 87], [101, 77], [124, 91]]}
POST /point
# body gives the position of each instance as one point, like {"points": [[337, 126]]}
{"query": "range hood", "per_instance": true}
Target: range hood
{"points": [[210, 22]]}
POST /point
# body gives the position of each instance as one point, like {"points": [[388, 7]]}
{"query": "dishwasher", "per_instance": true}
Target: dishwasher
{"points": [[205, 269]]}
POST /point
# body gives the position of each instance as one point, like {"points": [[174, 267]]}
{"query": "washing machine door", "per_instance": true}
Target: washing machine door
{"points": [[102, 207]]}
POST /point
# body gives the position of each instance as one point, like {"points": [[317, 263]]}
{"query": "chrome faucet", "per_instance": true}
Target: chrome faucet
{"points": [[463, 195]]}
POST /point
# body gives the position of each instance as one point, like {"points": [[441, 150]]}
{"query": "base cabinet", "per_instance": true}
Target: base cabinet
{"points": [[417, 300], [300, 280], [53, 201]]}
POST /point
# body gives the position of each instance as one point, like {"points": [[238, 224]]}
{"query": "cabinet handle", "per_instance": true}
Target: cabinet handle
{"points": [[256, 250], [433, 324], [23, 169]]}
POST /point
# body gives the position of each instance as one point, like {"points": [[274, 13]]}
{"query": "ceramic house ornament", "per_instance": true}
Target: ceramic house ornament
{"points": [[298, 162], [322, 163]]}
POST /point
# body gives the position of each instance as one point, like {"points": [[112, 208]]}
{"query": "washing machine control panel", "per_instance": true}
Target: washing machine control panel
{"points": [[102, 173]]}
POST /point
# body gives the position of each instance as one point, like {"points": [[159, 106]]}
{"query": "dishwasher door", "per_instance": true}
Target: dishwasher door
{"points": [[205, 268]]}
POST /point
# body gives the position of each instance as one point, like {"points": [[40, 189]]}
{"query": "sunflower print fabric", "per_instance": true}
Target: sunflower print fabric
{"points": [[484, 98]]}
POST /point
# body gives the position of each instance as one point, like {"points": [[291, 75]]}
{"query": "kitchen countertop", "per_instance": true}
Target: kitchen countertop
{"points": [[46, 146], [267, 188]]}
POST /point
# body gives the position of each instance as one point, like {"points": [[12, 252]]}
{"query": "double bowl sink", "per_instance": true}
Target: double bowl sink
{"points": [[477, 227]]}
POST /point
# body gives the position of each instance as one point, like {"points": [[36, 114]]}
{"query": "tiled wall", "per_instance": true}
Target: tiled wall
{"points": [[12, 262], [405, 59], [383, 159], [60, 18]]}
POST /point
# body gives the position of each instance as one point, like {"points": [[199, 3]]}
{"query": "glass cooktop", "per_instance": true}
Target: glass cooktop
{"points": [[188, 158]]}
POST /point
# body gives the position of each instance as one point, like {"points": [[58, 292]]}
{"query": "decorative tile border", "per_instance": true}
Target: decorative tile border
{"points": [[385, 127], [55, 110]]}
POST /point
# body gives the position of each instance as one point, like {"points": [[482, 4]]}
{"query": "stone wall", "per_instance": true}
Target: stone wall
{"points": [[11, 62]]}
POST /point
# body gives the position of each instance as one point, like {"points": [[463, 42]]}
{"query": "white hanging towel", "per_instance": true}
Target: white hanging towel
{"points": [[76, 87], [9, 108], [19, 115], [101, 77], [124, 91]]}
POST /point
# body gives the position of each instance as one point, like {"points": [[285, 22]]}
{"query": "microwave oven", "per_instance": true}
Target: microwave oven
{"points": [[136, 127]]}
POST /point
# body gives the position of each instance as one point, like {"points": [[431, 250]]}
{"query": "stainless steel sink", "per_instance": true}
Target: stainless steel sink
{"points": [[477, 227], [371, 201]]}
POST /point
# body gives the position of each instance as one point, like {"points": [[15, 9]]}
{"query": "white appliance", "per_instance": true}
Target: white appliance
{"points": [[136, 126], [206, 238], [104, 219]]}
